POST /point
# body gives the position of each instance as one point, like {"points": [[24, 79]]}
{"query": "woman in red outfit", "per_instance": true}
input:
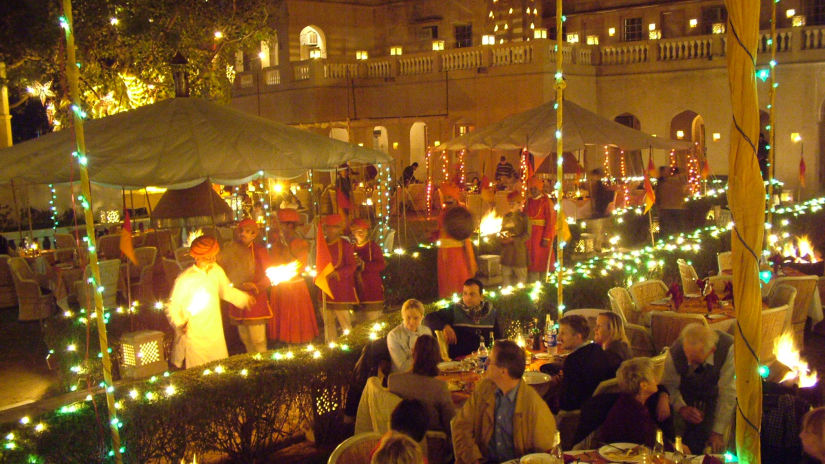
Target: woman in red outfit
{"points": [[370, 261], [294, 315]]}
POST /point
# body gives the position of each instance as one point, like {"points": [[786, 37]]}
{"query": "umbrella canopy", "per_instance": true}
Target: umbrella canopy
{"points": [[179, 143], [536, 129], [194, 206]]}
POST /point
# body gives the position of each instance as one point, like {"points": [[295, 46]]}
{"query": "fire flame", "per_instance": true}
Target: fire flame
{"points": [[192, 236], [490, 224], [801, 252], [283, 273], [805, 248], [194, 460], [787, 354]]}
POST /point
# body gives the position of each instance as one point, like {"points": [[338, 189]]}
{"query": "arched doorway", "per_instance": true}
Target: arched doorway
{"points": [[690, 126], [633, 159], [313, 43], [380, 139], [418, 143]]}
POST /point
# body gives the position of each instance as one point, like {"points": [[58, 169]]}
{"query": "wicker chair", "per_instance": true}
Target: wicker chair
{"points": [[689, 277], [183, 258], [659, 362], [774, 322], [719, 282], [109, 279], [783, 295], [8, 297], [645, 292], [65, 247], [171, 270], [607, 386], [355, 449], [666, 326], [641, 341], [724, 260], [108, 246], [805, 287], [34, 303], [622, 304], [141, 276], [162, 240]]}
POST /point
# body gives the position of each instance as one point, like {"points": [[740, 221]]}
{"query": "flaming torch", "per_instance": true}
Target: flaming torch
{"points": [[192, 236], [283, 273], [788, 354], [490, 224]]}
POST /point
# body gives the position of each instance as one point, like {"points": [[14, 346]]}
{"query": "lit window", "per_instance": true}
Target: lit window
{"points": [[654, 35], [592, 40], [693, 23], [361, 55], [438, 45], [611, 31], [573, 38], [718, 28], [488, 39], [540, 33], [314, 54], [397, 50], [790, 13], [798, 21]]}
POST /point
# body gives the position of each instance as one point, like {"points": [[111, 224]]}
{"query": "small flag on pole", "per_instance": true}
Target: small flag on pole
{"points": [[323, 262], [126, 246], [651, 168], [802, 172], [705, 169], [650, 196]]}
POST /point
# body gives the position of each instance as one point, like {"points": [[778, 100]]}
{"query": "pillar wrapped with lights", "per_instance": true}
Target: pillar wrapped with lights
{"points": [[445, 166], [72, 74], [462, 173], [624, 181], [382, 195], [771, 115], [53, 208], [429, 180], [560, 85], [525, 172]]}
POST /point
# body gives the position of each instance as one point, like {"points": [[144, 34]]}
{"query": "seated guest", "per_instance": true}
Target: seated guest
{"points": [[630, 420], [421, 384], [504, 418], [397, 448], [610, 335], [813, 435], [586, 364], [401, 339], [699, 376], [468, 322], [410, 417]]}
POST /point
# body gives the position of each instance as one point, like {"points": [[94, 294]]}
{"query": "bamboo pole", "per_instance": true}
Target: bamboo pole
{"points": [[72, 72], [560, 84], [772, 119]]}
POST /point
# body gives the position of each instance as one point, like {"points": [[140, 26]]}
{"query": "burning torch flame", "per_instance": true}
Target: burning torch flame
{"points": [[284, 273], [787, 354], [192, 236], [806, 251], [490, 224]]}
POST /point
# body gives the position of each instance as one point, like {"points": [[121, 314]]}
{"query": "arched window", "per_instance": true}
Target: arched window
{"points": [[380, 139], [418, 142], [313, 43]]}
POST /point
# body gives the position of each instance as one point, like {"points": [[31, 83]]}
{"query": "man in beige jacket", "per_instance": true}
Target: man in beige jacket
{"points": [[504, 418]]}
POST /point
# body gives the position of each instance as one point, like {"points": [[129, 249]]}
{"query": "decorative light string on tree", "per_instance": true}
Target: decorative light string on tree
{"points": [[694, 179], [606, 162], [671, 157], [461, 167], [445, 166], [623, 171], [53, 208], [429, 180], [524, 169]]}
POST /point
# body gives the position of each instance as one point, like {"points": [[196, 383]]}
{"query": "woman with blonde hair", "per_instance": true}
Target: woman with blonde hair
{"points": [[813, 434], [611, 336], [397, 448], [401, 339]]}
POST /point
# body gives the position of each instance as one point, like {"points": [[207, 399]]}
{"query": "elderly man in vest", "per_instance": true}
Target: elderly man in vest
{"points": [[504, 418], [699, 377]]}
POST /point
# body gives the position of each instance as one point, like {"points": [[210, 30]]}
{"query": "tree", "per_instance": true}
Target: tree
{"points": [[124, 48]]}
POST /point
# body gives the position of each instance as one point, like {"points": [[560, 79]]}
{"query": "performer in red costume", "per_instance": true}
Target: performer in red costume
{"points": [[341, 280], [370, 261], [293, 320], [456, 258], [541, 214]]}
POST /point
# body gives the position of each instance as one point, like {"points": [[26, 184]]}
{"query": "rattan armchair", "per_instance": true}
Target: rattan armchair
{"points": [[805, 287], [33, 301], [141, 276]]}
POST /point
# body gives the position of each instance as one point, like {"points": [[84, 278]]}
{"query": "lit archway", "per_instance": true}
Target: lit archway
{"points": [[633, 159], [313, 43], [380, 139], [418, 142], [690, 126]]}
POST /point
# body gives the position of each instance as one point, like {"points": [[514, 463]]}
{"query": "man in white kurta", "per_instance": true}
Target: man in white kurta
{"points": [[194, 307]]}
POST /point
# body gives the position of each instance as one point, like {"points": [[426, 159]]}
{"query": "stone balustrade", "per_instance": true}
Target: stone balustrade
{"points": [[793, 44]]}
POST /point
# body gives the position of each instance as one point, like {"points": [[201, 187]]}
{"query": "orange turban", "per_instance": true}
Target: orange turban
{"points": [[288, 215], [536, 182], [333, 220], [248, 223], [360, 224], [204, 247]]}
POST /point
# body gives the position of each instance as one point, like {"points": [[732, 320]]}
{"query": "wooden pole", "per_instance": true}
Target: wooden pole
{"points": [[17, 213], [72, 72], [560, 84]]}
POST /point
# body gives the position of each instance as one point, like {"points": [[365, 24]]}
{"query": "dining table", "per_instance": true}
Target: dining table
{"points": [[721, 316], [593, 456]]}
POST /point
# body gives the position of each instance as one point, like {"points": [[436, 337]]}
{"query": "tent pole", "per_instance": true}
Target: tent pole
{"points": [[19, 216], [29, 211], [212, 209], [560, 85], [148, 205]]}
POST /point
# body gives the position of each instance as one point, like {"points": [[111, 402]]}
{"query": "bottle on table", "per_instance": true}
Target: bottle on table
{"points": [[481, 355], [550, 336], [678, 456], [659, 447], [557, 453]]}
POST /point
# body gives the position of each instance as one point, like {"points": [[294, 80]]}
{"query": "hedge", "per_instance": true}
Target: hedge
{"points": [[249, 406]]}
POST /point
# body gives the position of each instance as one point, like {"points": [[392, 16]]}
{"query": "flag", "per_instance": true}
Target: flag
{"points": [[802, 172], [564, 230], [705, 169], [651, 168], [650, 196], [126, 240], [323, 261]]}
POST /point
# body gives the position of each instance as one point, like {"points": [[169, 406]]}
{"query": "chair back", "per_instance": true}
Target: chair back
{"points": [[724, 260], [64, 241], [6, 279], [32, 303], [689, 277], [438, 447], [108, 246], [162, 240], [782, 295], [567, 422], [183, 258], [646, 291], [805, 287], [621, 303], [666, 326], [355, 449], [375, 407], [641, 342], [171, 270], [659, 362], [607, 386], [109, 279], [20, 269], [442, 345], [719, 282], [588, 313], [774, 323]]}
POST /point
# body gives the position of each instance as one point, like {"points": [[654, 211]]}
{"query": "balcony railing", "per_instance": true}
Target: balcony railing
{"points": [[656, 54]]}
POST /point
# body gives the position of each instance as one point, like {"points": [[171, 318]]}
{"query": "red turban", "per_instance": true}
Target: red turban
{"points": [[204, 247], [360, 224], [248, 223], [288, 215], [333, 220]]}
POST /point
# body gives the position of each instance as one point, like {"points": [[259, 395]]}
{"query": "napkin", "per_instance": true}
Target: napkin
{"points": [[711, 299], [701, 284], [676, 292]]}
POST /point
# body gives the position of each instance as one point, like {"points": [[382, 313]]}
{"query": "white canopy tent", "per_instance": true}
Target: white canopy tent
{"points": [[179, 143]]}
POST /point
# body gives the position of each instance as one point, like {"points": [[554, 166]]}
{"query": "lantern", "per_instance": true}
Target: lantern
{"points": [[142, 354]]}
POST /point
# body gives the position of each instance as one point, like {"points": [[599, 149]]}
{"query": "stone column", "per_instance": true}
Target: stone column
{"points": [[5, 115]]}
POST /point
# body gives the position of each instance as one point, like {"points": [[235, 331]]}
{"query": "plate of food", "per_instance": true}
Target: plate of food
{"points": [[455, 385], [623, 452], [716, 316], [543, 355], [535, 378], [536, 458], [450, 366]]}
